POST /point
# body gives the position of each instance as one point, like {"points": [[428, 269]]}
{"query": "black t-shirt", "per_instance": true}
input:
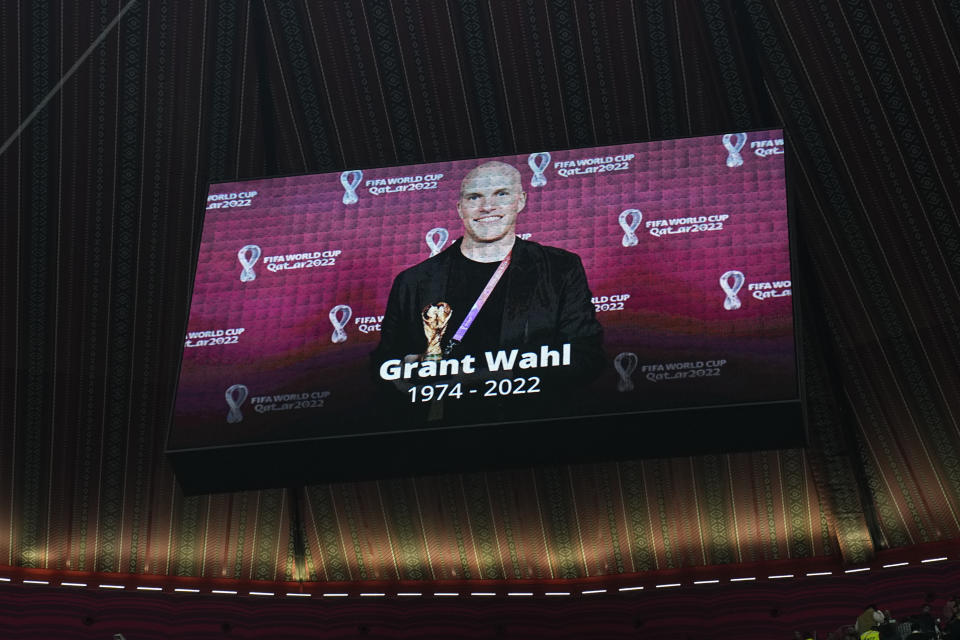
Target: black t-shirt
{"points": [[465, 283]]}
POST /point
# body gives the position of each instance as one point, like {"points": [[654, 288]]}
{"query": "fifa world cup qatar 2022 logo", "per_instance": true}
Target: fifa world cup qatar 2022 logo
{"points": [[731, 282], [235, 395], [339, 317], [630, 220], [733, 143], [625, 363], [350, 181], [538, 163], [248, 257], [436, 238]]}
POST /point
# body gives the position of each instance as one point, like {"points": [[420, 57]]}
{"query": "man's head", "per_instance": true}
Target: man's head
{"points": [[491, 196]]}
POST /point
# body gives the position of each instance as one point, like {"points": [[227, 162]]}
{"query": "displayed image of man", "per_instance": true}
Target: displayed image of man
{"points": [[539, 294]]}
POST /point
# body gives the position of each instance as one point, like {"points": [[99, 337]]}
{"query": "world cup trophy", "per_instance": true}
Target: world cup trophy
{"points": [[435, 319]]}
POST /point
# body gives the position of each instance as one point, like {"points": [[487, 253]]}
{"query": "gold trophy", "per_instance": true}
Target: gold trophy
{"points": [[435, 319]]}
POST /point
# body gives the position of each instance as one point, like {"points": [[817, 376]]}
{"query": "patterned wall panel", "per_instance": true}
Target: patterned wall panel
{"points": [[880, 242]]}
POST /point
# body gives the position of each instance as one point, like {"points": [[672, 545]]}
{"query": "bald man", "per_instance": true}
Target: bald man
{"points": [[540, 298], [491, 198]]}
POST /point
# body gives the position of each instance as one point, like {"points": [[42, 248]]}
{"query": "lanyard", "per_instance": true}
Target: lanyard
{"points": [[481, 300]]}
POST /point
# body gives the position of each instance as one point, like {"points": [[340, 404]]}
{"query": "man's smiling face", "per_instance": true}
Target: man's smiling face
{"points": [[491, 196]]}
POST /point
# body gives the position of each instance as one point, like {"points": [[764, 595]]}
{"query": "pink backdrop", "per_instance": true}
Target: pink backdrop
{"points": [[673, 313]]}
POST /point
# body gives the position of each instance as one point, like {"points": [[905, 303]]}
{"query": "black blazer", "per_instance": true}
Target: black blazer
{"points": [[547, 303]]}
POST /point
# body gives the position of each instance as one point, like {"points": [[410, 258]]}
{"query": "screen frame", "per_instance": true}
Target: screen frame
{"points": [[707, 429]]}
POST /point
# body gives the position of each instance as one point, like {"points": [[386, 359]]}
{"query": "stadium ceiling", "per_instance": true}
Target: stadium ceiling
{"points": [[102, 196]]}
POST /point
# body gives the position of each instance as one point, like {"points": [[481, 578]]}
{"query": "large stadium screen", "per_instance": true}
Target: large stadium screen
{"points": [[551, 288]]}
